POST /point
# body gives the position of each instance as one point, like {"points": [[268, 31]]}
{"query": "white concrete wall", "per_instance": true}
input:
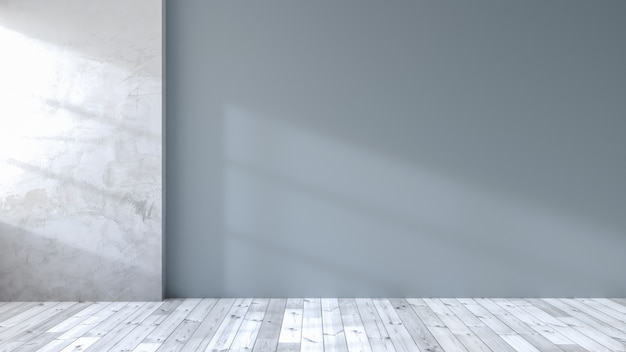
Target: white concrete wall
{"points": [[80, 150]]}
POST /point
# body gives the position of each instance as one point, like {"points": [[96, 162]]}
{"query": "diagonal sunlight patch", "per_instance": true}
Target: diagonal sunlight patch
{"points": [[313, 199], [27, 71], [53, 100]]}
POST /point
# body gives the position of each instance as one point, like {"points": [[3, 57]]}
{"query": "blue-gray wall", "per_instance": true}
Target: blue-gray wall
{"points": [[404, 148]]}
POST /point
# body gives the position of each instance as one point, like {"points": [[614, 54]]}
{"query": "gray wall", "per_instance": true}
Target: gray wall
{"points": [[405, 148], [80, 150]]}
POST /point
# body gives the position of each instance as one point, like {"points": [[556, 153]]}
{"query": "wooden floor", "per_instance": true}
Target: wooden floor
{"points": [[317, 325]]}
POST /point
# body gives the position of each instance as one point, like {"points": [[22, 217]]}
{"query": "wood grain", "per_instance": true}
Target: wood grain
{"points": [[313, 324]]}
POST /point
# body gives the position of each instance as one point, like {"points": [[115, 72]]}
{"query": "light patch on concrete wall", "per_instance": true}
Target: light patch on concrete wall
{"points": [[80, 150]]}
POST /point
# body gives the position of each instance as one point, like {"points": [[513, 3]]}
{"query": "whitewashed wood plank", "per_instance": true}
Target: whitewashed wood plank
{"points": [[400, 337], [295, 303], [506, 317], [448, 341], [420, 333], [356, 337], [461, 312], [25, 325], [80, 344], [201, 311], [10, 309], [17, 319], [611, 304], [375, 328], [4, 306], [174, 318], [587, 319], [291, 331], [14, 309], [83, 327], [312, 330], [267, 339], [566, 330], [486, 317], [56, 345], [537, 313], [147, 347], [548, 308], [596, 335], [591, 311], [36, 343], [64, 312], [177, 339], [621, 301], [519, 343], [114, 320], [205, 332], [527, 335], [79, 317], [334, 336], [38, 336], [471, 342], [135, 337], [227, 331], [482, 331], [536, 324], [604, 309], [250, 327], [124, 327], [573, 348], [168, 307], [525, 331], [145, 327], [340, 325]]}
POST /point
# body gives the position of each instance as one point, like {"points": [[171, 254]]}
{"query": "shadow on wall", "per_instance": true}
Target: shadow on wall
{"points": [[141, 207], [531, 112], [76, 245], [73, 240], [35, 265], [309, 215], [116, 124]]}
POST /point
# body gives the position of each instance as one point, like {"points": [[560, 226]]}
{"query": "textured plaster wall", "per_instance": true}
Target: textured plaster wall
{"points": [[80, 150]]}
